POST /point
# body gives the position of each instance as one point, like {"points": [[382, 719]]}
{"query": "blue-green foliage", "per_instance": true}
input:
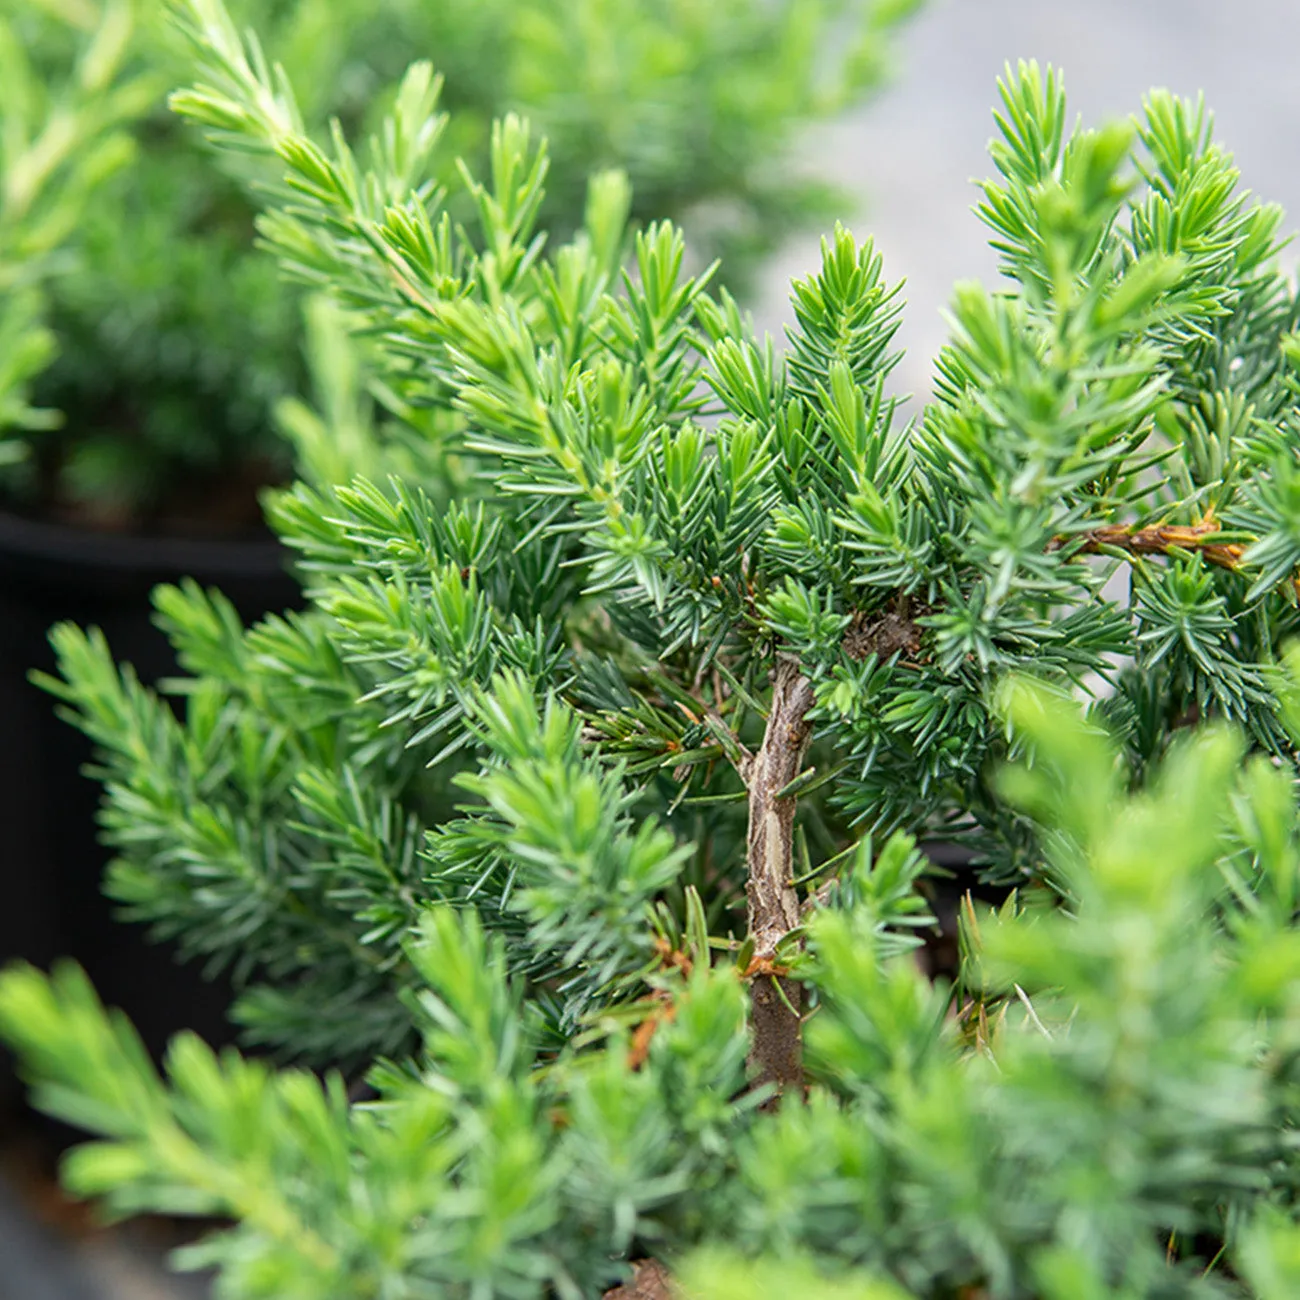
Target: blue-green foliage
{"points": [[1118, 1089], [483, 811]]}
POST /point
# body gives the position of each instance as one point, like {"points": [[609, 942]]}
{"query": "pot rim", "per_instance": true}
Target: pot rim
{"points": [[86, 549]]}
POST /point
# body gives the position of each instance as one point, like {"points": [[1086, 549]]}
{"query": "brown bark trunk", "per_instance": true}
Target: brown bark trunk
{"points": [[773, 911]]}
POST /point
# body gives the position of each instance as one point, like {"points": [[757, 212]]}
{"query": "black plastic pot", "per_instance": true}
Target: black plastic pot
{"points": [[51, 863]]}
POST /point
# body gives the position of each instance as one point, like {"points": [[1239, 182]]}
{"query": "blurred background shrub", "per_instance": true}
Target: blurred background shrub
{"points": [[176, 340], [59, 140]]}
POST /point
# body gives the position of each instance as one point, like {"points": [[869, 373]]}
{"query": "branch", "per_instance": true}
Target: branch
{"points": [[1160, 539], [773, 909]]}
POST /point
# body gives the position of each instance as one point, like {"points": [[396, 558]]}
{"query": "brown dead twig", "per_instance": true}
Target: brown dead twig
{"points": [[639, 1048], [671, 959], [1163, 539], [764, 966], [1160, 539]]}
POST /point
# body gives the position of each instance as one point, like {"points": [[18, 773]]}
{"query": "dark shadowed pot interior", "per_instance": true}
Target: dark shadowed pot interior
{"points": [[52, 864]]}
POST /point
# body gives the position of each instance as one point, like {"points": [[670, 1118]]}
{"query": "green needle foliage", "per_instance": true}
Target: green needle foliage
{"points": [[58, 144], [178, 342], [573, 828]]}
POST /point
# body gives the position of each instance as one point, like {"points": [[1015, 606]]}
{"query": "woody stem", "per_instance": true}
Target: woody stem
{"points": [[773, 906]]}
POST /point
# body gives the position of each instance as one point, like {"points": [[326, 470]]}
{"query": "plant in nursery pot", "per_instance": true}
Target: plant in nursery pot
{"points": [[176, 339], [577, 813], [180, 370], [74, 92], [60, 143]]}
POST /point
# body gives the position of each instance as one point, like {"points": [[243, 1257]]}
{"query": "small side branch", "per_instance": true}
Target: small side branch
{"points": [[773, 904], [1161, 539]]}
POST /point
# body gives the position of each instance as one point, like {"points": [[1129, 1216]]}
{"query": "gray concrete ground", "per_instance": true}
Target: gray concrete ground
{"points": [[907, 161], [38, 1262]]}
